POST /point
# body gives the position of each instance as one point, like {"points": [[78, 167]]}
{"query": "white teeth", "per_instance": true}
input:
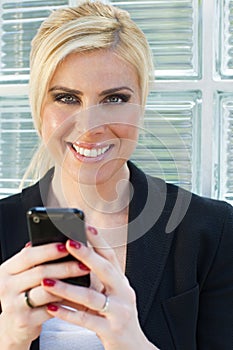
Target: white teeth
{"points": [[81, 150], [87, 153], [92, 153]]}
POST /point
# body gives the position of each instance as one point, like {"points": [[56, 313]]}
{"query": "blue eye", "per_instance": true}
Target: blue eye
{"points": [[66, 99], [117, 99]]}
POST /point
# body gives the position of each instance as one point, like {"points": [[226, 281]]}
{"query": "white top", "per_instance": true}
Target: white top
{"points": [[60, 335]]}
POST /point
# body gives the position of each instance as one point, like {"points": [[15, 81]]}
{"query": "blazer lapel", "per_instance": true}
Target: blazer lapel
{"points": [[148, 242]]}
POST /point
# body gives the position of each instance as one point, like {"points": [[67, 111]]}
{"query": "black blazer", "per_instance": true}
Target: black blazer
{"points": [[179, 260]]}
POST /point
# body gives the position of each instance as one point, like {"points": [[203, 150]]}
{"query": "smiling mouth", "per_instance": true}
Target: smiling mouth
{"points": [[90, 152]]}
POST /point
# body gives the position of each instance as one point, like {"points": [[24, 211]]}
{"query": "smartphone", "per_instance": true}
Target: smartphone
{"points": [[50, 225]]}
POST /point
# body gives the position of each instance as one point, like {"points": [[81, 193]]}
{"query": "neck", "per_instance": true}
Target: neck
{"points": [[110, 197]]}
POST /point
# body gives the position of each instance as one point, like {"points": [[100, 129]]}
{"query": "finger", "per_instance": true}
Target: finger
{"points": [[33, 277], [40, 297], [102, 247], [75, 294], [84, 319], [107, 273], [106, 306], [31, 256]]}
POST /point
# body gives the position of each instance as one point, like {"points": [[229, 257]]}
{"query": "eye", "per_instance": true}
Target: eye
{"points": [[117, 99], [66, 99]]}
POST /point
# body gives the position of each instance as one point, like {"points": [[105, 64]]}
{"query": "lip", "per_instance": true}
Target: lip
{"points": [[88, 152]]}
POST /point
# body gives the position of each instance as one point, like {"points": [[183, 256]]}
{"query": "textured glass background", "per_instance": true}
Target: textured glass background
{"points": [[224, 39], [19, 23], [18, 139], [224, 146], [173, 31], [170, 140]]}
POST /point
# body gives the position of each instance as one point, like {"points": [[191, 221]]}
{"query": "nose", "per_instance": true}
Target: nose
{"points": [[90, 120]]}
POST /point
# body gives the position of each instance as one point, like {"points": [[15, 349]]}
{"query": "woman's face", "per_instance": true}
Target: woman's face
{"points": [[90, 115]]}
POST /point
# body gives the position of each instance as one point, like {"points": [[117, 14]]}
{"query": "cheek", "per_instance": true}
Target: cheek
{"points": [[52, 123], [48, 129], [128, 137], [127, 132]]}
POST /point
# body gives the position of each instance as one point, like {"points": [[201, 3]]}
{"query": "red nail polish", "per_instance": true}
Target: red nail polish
{"points": [[83, 266], [52, 307], [28, 244], [48, 282], [61, 247], [75, 244], [92, 230]]}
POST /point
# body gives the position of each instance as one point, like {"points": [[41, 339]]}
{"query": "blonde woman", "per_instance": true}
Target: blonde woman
{"points": [[160, 259]]}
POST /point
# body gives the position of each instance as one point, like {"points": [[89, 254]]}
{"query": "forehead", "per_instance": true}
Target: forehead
{"points": [[99, 66]]}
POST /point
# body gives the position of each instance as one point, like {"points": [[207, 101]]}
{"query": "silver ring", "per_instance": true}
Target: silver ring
{"points": [[27, 299], [105, 306]]}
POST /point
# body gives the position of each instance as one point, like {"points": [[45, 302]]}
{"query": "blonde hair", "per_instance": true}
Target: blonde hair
{"points": [[87, 27]]}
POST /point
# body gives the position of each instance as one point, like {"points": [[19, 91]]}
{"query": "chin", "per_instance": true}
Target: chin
{"points": [[96, 175]]}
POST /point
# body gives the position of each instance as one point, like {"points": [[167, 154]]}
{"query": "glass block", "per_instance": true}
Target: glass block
{"points": [[170, 139], [18, 25], [173, 29], [18, 140], [224, 40], [223, 147]]}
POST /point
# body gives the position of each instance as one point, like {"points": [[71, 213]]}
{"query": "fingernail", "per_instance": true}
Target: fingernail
{"points": [[75, 244], [83, 266], [52, 307], [28, 244], [92, 230], [48, 282], [61, 247]]}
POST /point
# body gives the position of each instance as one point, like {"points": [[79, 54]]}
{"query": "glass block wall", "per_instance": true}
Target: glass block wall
{"points": [[186, 136], [167, 147], [172, 29], [224, 151], [19, 23], [17, 142], [224, 52]]}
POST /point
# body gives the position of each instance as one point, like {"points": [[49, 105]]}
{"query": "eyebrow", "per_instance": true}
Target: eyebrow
{"points": [[110, 91], [62, 88], [77, 92]]}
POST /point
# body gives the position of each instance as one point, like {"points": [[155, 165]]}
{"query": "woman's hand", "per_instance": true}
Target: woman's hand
{"points": [[112, 313], [19, 323]]}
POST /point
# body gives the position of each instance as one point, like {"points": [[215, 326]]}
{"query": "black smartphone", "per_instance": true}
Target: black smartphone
{"points": [[50, 225]]}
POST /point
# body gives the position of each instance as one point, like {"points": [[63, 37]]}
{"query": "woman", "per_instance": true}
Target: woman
{"points": [[160, 259]]}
